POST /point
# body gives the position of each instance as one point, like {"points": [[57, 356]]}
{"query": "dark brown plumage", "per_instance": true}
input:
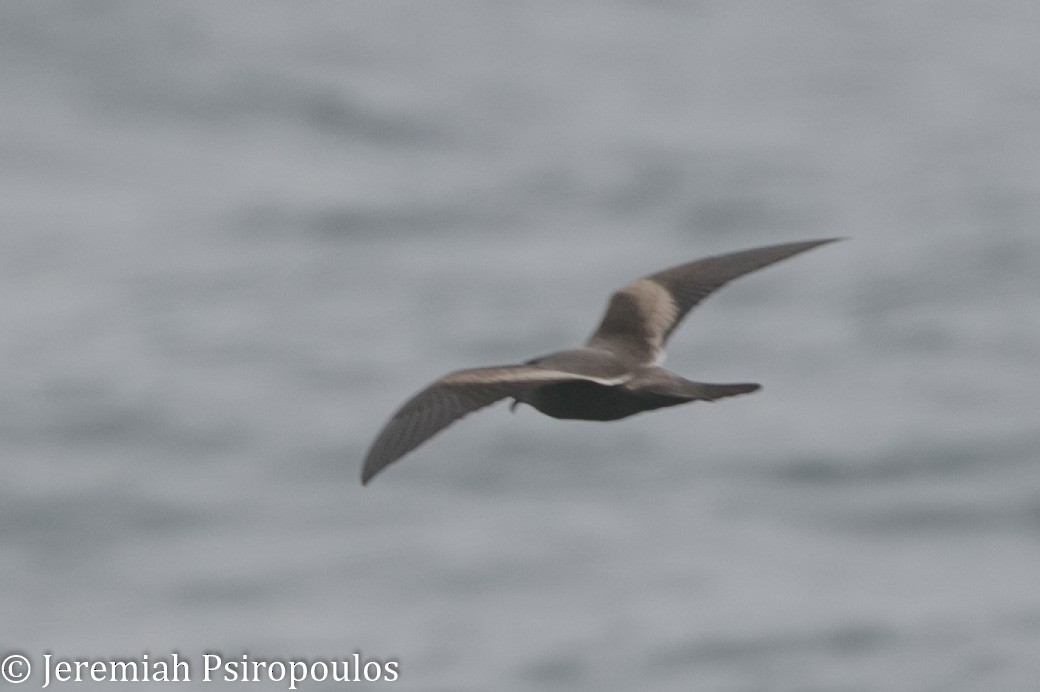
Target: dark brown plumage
{"points": [[613, 376]]}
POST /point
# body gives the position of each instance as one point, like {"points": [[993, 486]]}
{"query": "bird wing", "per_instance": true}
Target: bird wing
{"points": [[449, 399], [642, 314]]}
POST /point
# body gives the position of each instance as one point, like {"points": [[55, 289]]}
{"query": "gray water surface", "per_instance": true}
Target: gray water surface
{"points": [[235, 236]]}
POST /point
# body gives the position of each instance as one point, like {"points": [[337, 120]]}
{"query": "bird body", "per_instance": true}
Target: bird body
{"points": [[647, 388], [615, 375], [619, 390]]}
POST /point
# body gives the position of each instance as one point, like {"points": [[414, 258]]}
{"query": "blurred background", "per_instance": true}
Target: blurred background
{"points": [[235, 236]]}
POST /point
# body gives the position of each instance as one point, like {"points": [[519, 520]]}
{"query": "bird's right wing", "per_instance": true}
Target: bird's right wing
{"points": [[642, 314], [449, 399]]}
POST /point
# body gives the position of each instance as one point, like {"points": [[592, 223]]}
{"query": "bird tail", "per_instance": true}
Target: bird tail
{"points": [[704, 391], [669, 389]]}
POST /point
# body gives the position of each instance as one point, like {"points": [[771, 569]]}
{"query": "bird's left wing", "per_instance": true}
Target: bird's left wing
{"points": [[449, 399]]}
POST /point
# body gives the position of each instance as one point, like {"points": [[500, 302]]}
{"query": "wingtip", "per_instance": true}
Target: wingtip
{"points": [[747, 388], [809, 244], [812, 244]]}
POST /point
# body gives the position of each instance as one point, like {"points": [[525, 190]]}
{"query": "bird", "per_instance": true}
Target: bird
{"points": [[616, 374]]}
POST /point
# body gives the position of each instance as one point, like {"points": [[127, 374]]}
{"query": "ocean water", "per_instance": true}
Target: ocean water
{"points": [[235, 236]]}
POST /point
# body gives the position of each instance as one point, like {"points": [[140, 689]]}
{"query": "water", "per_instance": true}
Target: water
{"points": [[235, 236]]}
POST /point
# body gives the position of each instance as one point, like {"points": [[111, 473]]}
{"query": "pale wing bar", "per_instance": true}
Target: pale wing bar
{"points": [[446, 401]]}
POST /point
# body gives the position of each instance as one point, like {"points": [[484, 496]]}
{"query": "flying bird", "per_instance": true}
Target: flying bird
{"points": [[615, 374]]}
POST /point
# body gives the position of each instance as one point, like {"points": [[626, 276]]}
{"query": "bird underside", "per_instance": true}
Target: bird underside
{"points": [[652, 388]]}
